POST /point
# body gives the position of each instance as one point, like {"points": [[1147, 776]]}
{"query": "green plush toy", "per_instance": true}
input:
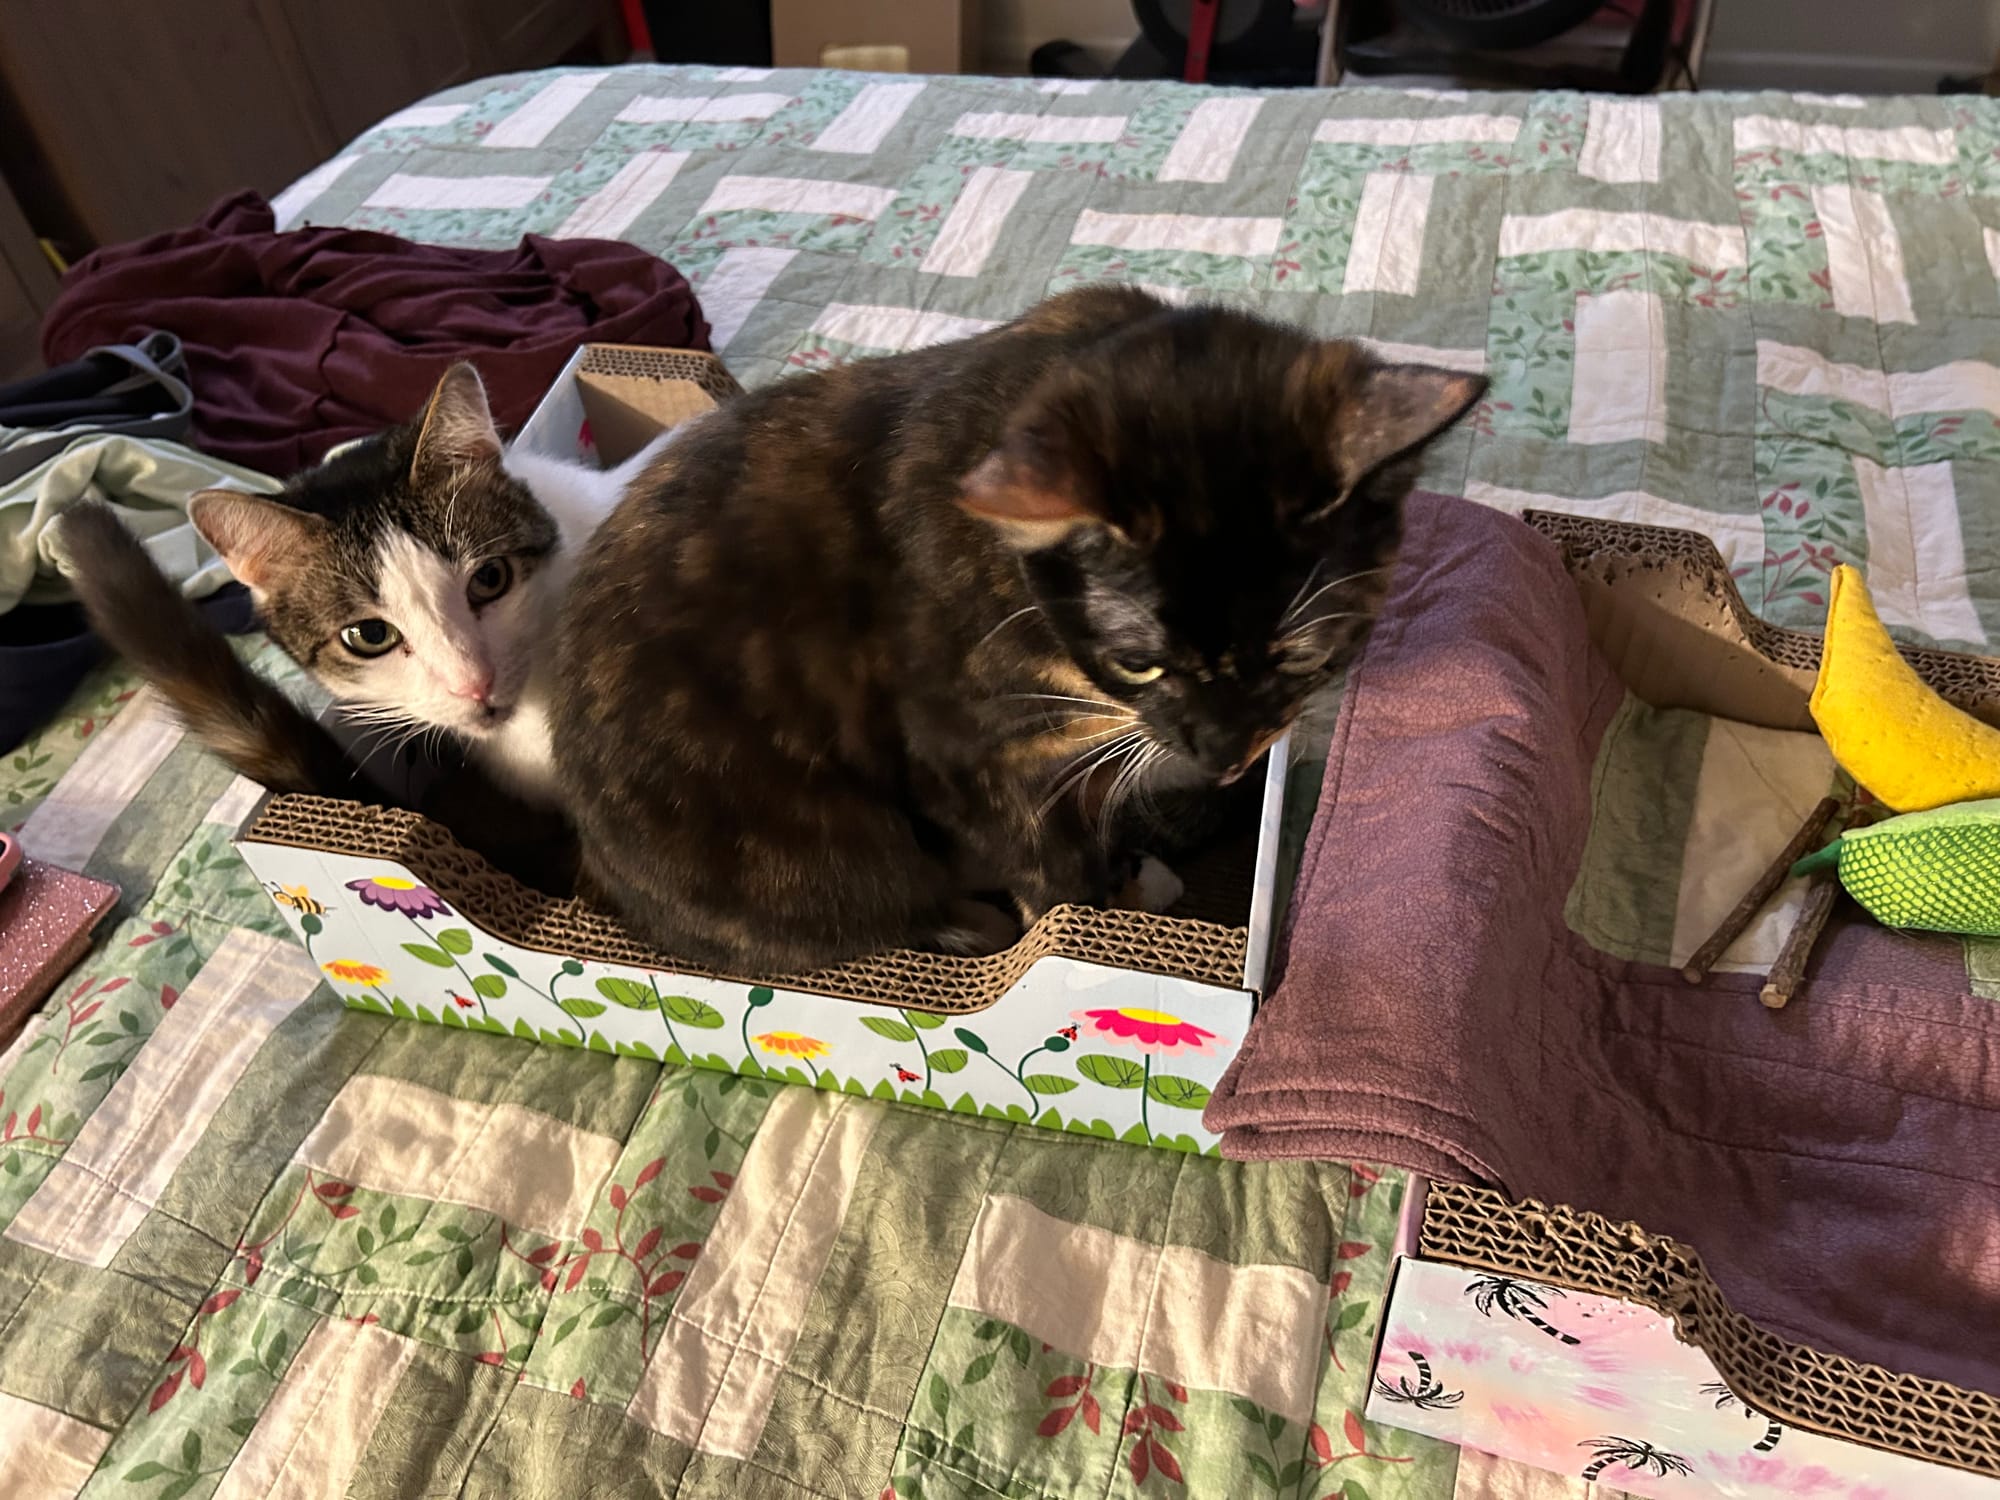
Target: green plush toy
{"points": [[1937, 870]]}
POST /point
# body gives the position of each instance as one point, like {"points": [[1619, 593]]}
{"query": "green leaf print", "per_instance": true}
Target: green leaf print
{"points": [[1050, 1083], [940, 1398], [970, 1039], [429, 955], [455, 940], [923, 1020], [311, 926], [629, 994], [1112, 1072], [894, 1031], [488, 986], [1180, 1093], [949, 1059], [494, 961], [692, 1012], [581, 1008], [980, 1368]]}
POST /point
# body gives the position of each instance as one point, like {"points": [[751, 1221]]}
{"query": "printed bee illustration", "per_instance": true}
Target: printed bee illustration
{"points": [[297, 898]]}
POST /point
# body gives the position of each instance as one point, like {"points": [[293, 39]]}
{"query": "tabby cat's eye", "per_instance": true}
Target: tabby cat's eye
{"points": [[371, 637], [489, 580], [1137, 673]]}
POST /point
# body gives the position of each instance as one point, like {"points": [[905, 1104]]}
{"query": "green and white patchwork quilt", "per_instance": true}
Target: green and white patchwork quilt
{"points": [[255, 1244]]}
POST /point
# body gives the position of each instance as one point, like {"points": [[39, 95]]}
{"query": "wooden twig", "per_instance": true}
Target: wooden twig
{"points": [[1783, 980], [1802, 843]]}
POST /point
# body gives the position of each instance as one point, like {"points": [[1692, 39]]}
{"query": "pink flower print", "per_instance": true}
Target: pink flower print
{"points": [[1153, 1031]]}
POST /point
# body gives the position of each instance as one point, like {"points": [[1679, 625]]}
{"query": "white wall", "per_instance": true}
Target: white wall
{"points": [[1868, 46]]}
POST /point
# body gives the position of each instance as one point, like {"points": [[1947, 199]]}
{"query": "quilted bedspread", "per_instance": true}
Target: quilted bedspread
{"points": [[254, 1244]]}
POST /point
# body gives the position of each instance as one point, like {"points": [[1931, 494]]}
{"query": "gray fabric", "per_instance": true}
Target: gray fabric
{"points": [[156, 361], [149, 484]]}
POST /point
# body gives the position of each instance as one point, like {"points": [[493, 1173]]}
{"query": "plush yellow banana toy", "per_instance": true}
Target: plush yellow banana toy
{"points": [[1885, 726]]}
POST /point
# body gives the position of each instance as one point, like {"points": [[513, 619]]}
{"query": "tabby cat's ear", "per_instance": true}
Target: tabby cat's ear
{"points": [[458, 428], [1032, 504], [1386, 411], [260, 539]]}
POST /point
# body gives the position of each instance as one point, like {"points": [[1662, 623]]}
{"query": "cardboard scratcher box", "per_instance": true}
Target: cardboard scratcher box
{"points": [[1100, 1022], [1696, 1400], [1605, 1352]]}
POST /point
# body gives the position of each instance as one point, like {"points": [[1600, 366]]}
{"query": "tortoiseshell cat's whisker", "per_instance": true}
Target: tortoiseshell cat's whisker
{"points": [[1022, 613], [1103, 703], [1121, 784], [1078, 773], [1300, 632], [1098, 734], [1108, 803], [1306, 603]]}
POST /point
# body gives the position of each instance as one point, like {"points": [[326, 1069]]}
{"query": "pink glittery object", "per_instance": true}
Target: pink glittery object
{"points": [[46, 919]]}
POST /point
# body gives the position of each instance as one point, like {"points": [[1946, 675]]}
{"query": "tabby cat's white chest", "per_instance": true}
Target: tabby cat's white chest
{"points": [[521, 756]]}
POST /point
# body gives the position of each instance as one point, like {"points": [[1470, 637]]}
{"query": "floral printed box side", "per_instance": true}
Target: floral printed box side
{"points": [[1072, 1046], [1602, 1389]]}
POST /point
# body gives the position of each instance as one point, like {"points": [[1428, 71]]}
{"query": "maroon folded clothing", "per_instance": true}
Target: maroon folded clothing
{"points": [[1836, 1163], [300, 340]]}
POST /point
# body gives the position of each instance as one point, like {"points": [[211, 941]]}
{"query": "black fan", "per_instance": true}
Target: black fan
{"points": [[1626, 46], [1502, 25], [1276, 42]]}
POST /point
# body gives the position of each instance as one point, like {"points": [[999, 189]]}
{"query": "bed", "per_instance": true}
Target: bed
{"points": [[253, 1244]]}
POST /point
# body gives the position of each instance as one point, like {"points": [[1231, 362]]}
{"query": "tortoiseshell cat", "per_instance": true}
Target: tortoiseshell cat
{"points": [[871, 644]]}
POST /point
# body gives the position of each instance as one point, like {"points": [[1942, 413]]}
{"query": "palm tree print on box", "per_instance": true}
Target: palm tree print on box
{"points": [[1725, 1397], [1633, 1456], [1516, 1299], [1425, 1393]]}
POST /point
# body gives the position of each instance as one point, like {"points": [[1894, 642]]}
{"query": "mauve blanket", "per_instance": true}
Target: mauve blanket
{"points": [[301, 339], [1837, 1163]]}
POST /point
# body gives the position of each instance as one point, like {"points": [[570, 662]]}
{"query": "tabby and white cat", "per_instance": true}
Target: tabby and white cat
{"points": [[415, 575]]}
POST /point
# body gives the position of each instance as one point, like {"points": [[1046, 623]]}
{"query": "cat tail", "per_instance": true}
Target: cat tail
{"points": [[231, 710]]}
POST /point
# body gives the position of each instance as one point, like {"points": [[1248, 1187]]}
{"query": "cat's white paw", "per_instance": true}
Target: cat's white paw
{"points": [[1152, 888]]}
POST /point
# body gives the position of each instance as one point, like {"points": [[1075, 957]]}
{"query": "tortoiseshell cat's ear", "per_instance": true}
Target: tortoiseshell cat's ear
{"points": [[1381, 412], [260, 539], [1032, 504], [458, 427]]}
